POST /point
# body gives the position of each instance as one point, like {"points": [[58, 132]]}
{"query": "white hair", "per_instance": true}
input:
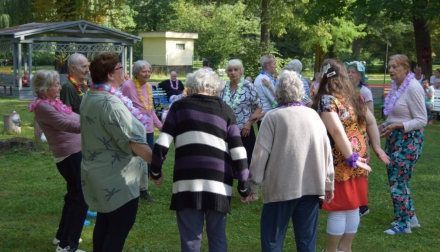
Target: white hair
{"points": [[266, 59], [74, 59], [205, 81], [235, 63], [137, 66], [294, 65], [43, 80], [289, 87]]}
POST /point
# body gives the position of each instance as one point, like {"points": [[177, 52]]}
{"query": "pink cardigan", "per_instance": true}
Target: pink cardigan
{"points": [[62, 131], [129, 90]]}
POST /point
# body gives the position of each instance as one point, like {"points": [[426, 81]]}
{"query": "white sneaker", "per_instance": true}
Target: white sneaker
{"points": [[67, 249], [56, 241], [412, 224]]}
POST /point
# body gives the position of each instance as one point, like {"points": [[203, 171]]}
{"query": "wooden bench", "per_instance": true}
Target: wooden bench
{"points": [[7, 80]]}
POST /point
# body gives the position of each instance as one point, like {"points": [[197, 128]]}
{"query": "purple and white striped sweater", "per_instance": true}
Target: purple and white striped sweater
{"points": [[209, 154]]}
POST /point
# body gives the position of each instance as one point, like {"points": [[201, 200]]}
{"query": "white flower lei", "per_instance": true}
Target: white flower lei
{"points": [[227, 94]]}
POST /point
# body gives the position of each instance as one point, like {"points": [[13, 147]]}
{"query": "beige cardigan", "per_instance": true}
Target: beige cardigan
{"points": [[292, 156]]}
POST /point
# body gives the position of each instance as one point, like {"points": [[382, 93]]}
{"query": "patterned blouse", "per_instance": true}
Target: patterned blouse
{"points": [[357, 135], [247, 103]]}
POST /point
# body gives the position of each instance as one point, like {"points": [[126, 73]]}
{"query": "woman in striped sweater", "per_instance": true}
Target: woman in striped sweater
{"points": [[209, 154]]}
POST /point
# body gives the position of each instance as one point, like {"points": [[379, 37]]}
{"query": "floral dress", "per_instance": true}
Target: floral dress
{"points": [[351, 185]]}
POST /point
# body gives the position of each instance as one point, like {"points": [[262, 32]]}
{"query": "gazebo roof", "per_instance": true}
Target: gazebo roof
{"points": [[73, 31]]}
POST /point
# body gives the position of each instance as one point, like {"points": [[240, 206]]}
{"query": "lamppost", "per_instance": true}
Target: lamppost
{"points": [[385, 65]]}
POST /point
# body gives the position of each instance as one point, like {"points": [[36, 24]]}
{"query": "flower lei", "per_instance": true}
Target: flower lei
{"points": [[127, 102], [58, 104], [268, 75], [77, 87], [227, 93], [394, 95], [177, 84], [290, 104], [141, 97]]}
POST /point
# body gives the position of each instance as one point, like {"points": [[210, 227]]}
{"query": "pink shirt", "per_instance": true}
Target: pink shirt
{"points": [[129, 90]]}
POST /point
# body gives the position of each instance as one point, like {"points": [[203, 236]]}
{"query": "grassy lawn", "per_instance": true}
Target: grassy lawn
{"points": [[32, 190]]}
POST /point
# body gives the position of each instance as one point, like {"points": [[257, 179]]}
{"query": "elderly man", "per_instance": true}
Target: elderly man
{"points": [[267, 98], [172, 86], [296, 66], [76, 85]]}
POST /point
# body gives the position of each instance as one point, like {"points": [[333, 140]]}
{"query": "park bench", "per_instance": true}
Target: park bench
{"points": [[7, 80]]}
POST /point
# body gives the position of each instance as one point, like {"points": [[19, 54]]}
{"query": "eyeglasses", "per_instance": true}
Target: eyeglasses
{"points": [[117, 68]]}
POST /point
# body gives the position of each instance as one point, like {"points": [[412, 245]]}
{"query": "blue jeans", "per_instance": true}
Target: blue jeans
{"points": [[275, 220], [190, 222]]}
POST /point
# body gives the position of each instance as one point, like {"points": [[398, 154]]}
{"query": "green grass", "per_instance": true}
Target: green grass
{"points": [[32, 190]]}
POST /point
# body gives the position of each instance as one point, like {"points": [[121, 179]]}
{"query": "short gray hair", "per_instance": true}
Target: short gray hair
{"points": [[204, 80], [294, 65], [43, 80], [74, 59], [289, 87], [235, 63], [266, 59], [138, 66]]}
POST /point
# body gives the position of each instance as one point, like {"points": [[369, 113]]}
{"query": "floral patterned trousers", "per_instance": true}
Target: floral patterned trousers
{"points": [[404, 149]]}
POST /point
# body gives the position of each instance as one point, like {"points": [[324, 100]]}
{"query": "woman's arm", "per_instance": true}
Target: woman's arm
{"points": [[336, 130], [142, 150], [373, 135], [267, 83], [47, 114], [370, 106], [246, 129]]}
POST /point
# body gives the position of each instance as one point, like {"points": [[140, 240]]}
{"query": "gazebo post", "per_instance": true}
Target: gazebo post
{"points": [[131, 61], [30, 48]]}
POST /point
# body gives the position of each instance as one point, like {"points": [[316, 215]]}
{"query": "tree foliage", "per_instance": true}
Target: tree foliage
{"points": [[111, 13]]}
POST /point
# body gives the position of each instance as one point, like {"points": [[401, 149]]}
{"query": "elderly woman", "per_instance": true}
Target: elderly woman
{"points": [[114, 154], [243, 99], [348, 121], [140, 92], [403, 129], [61, 127], [292, 160], [357, 77], [209, 154]]}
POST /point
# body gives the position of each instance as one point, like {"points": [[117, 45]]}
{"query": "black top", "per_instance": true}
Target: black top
{"points": [[166, 86]]}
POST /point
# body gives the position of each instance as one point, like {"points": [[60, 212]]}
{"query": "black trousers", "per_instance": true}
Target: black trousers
{"points": [[75, 207], [111, 229], [249, 143]]}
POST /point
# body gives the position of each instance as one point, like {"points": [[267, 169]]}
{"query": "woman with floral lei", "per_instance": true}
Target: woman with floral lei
{"points": [[347, 121], [61, 127], [403, 129], [115, 153], [140, 92], [242, 97]]}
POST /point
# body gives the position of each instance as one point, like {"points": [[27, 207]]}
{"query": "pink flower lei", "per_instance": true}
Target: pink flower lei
{"points": [[394, 95], [127, 102], [177, 84], [57, 103]]}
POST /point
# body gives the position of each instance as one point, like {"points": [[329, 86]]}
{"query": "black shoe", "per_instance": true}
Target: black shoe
{"points": [[146, 196], [363, 210]]}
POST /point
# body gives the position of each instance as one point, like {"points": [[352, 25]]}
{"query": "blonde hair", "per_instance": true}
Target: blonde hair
{"points": [[235, 63], [43, 80], [401, 60]]}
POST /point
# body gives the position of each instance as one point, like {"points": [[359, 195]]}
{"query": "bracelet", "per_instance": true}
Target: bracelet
{"points": [[351, 161]]}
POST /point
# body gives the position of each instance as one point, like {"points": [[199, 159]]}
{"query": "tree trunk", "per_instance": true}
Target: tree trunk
{"points": [[356, 48], [265, 18], [319, 58], [423, 42]]}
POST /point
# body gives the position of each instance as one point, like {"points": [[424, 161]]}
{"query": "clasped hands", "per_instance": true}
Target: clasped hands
{"points": [[251, 197]]}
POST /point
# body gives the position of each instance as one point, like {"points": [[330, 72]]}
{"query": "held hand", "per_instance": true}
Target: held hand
{"points": [[251, 197], [382, 155], [361, 163], [267, 83], [380, 127], [386, 131], [158, 182], [246, 129], [328, 196]]}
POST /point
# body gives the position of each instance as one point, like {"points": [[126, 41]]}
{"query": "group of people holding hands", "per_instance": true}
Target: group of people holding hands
{"points": [[311, 152]]}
